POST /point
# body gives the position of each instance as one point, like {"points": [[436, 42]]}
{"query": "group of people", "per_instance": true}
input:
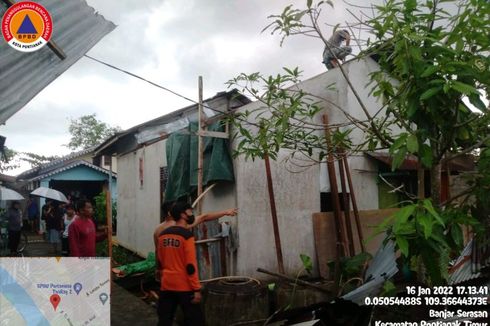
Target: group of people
{"points": [[177, 268], [73, 227]]}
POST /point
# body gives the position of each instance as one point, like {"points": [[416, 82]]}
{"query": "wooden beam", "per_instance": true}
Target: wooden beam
{"points": [[214, 134], [275, 225], [334, 192], [354, 201], [200, 146]]}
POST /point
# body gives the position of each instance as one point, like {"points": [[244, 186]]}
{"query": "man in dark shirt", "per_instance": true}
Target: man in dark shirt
{"points": [[14, 218]]}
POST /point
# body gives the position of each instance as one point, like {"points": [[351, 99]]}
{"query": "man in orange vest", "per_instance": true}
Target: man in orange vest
{"points": [[180, 285], [169, 221]]}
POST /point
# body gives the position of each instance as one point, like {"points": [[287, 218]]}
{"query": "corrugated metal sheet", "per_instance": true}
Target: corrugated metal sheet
{"points": [[76, 29], [382, 268], [473, 258]]}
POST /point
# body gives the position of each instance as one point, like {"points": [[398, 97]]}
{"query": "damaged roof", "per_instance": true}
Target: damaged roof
{"points": [[157, 128]]}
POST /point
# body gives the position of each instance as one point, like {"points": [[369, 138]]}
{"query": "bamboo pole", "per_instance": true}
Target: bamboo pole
{"points": [[345, 200], [277, 238], [200, 150], [340, 244], [108, 203], [354, 203]]}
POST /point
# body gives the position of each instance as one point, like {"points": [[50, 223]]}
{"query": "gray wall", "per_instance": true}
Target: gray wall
{"points": [[297, 194], [138, 207]]}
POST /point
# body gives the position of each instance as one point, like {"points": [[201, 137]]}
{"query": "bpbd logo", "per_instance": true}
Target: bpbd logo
{"points": [[27, 26]]}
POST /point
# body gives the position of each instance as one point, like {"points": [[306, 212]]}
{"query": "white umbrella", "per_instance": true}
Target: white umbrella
{"points": [[9, 194], [49, 193]]}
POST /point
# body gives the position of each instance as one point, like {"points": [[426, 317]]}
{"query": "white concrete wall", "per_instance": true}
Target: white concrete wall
{"points": [[138, 207], [297, 195]]}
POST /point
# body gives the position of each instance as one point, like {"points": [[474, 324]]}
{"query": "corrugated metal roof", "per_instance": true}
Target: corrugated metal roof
{"points": [[468, 266], [76, 29], [46, 167], [71, 166], [178, 118]]}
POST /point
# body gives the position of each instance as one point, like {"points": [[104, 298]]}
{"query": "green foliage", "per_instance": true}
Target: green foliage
{"points": [[432, 63], [119, 254], [307, 262], [100, 211], [388, 290], [88, 131], [12, 159], [437, 59], [421, 231], [36, 160], [284, 119], [351, 267], [7, 160]]}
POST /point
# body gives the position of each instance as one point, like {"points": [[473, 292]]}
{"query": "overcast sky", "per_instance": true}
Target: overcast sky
{"points": [[170, 42]]}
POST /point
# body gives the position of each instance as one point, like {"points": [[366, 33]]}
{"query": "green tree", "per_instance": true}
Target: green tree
{"points": [[36, 160], [88, 131], [8, 160], [432, 63]]}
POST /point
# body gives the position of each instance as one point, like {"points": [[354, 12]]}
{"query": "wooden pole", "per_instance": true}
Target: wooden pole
{"points": [[354, 203], [200, 150], [275, 226], [345, 200], [108, 203], [340, 244]]}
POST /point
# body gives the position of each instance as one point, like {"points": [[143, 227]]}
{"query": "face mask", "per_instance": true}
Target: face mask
{"points": [[190, 219]]}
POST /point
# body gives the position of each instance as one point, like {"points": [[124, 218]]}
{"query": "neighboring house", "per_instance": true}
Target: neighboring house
{"points": [[75, 175], [142, 163]]}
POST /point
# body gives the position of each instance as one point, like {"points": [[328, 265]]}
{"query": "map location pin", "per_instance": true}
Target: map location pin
{"points": [[103, 298], [55, 300], [77, 287]]}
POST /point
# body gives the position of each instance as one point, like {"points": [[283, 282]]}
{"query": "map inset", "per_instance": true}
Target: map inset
{"points": [[54, 291]]}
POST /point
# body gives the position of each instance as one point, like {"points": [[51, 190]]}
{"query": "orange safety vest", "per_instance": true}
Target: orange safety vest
{"points": [[177, 253]]}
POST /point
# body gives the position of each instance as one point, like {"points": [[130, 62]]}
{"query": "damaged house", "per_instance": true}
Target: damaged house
{"points": [[149, 154]]}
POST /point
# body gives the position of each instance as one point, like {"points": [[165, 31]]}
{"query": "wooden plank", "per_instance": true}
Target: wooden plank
{"points": [[325, 244], [215, 134], [324, 235]]}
